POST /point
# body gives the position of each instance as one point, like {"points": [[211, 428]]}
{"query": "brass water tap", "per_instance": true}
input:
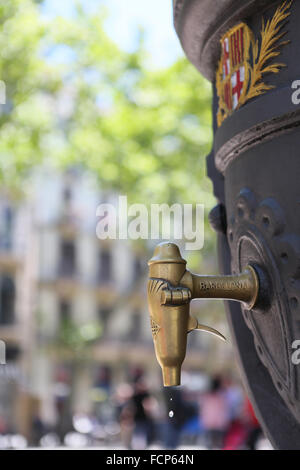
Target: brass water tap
{"points": [[171, 287]]}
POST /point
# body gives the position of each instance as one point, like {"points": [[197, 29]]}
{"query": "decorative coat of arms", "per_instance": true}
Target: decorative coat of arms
{"points": [[245, 60]]}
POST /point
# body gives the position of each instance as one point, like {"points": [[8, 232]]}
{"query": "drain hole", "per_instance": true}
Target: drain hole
{"points": [[266, 221], [240, 212], [294, 302]]}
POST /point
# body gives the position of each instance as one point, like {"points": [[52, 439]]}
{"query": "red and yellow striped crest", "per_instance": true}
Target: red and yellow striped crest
{"points": [[235, 47]]}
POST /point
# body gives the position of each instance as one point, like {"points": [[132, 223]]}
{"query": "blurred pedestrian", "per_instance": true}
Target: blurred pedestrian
{"points": [[125, 412], [215, 414], [144, 427], [180, 413], [253, 426], [236, 433]]}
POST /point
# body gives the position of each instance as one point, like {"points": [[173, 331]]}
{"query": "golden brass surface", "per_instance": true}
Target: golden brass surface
{"points": [[171, 287]]}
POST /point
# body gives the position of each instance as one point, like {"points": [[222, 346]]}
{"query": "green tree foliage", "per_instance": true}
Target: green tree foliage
{"points": [[73, 97], [144, 132], [26, 117]]}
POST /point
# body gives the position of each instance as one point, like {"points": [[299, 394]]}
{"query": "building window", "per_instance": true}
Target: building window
{"points": [[105, 266], [104, 378], [104, 314], [7, 300], [135, 329], [67, 265], [138, 268], [67, 195], [12, 353], [7, 229], [64, 311]]}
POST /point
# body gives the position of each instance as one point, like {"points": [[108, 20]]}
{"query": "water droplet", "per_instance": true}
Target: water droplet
{"points": [[171, 414]]}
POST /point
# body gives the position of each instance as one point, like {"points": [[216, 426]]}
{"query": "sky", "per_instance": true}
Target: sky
{"points": [[125, 16]]}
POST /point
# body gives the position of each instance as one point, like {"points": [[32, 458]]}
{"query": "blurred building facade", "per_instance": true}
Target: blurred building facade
{"points": [[73, 313], [17, 292], [69, 304]]}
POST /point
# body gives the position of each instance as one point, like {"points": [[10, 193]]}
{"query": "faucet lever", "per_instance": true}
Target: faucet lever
{"points": [[195, 325]]}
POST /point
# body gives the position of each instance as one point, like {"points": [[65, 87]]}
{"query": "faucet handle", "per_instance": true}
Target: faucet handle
{"points": [[182, 295], [175, 295]]}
